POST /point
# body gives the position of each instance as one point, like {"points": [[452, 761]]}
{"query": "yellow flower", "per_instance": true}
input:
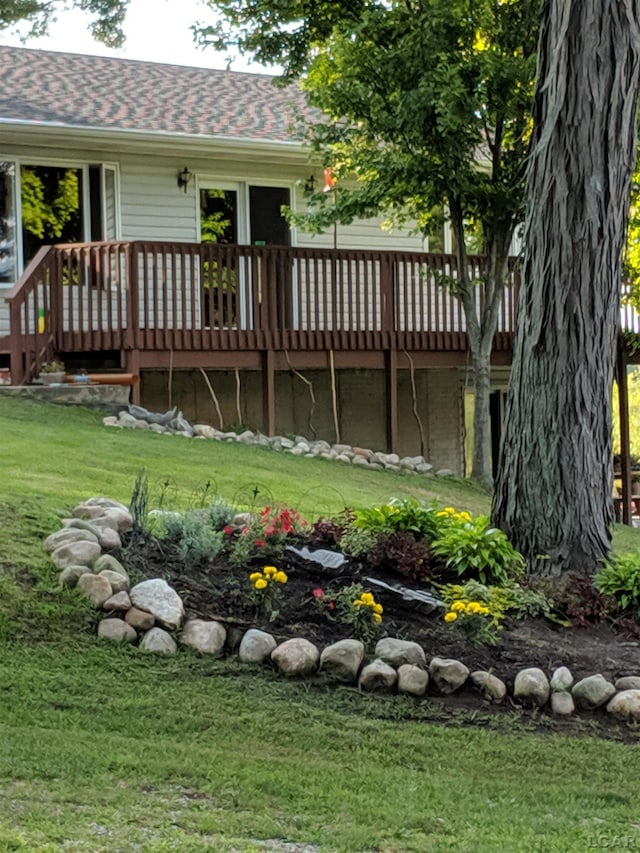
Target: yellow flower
{"points": [[367, 598], [450, 616], [450, 510], [484, 611], [473, 607], [280, 577], [457, 606], [377, 617], [270, 571], [261, 583], [464, 516], [254, 576], [377, 608], [441, 514], [358, 602]]}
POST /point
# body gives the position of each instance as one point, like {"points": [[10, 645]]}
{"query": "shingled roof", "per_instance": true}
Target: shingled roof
{"points": [[73, 90]]}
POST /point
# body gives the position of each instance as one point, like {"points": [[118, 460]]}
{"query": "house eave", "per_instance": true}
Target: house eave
{"points": [[148, 142]]}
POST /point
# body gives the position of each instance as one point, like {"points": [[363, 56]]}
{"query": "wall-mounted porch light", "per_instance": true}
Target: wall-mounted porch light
{"points": [[310, 184], [183, 178]]}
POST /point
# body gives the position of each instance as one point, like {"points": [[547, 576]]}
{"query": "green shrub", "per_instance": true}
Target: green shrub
{"points": [[408, 514], [194, 537], [471, 548], [620, 578]]}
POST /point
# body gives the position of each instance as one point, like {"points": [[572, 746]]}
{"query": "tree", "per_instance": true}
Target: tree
{"points": [[553, 495], [106, 26], [426, 105]]}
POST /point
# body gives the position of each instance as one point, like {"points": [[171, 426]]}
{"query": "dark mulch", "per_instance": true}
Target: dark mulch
{"points": [[218, 590]]}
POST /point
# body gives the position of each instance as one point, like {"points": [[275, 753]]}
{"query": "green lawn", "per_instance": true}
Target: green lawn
{"points": [[106, 749]]}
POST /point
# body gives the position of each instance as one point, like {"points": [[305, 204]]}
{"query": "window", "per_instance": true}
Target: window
{"points": [[8, 247]]}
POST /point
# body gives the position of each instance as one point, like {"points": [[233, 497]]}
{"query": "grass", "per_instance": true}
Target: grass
{"points": [[106, 749]]}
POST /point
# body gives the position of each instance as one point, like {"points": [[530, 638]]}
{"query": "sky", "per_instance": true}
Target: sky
{"points": [[156, 31]]}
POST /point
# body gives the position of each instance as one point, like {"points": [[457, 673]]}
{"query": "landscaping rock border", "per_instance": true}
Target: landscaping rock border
{"points": [[173, 423], [152, 615]]}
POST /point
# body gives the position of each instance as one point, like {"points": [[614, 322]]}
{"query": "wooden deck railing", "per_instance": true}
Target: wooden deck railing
{"points": [[147, 295]]}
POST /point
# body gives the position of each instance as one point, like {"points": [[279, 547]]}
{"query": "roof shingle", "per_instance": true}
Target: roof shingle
{"points": [[121, 94]]}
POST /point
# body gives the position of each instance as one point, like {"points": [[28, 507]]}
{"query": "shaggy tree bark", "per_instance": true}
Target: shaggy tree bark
{"points": [[553, 495]]}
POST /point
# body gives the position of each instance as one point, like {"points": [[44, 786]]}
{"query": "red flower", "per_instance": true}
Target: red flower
{"points": [[317, 592], [260, 543], [332, 605], [228, 529]]}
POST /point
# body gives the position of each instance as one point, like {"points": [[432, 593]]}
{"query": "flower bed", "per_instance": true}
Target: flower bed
{"points": [[372, 598]]}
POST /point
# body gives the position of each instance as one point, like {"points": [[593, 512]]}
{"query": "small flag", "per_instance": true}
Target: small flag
{"points": [[41, 323], [329, 180]]}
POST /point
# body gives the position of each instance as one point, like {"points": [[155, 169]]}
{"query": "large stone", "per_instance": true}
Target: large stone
{"points": [[118, 582], [448, 674], [207, 637], [79, 553], [109, 540], [159, 641], [66, 536], [562, 704], [108, 563], [106, 503], [396, 652], [562, 679], [378, 676], [627, 682], [412, 679], [71, 575], [120, 602], [121, 518], [141, 620], [256, 646], [531, 687], [626, 705], [489, 685], [157, 597], [116, 630], [342, 660], [592, 692], [296, 657], [97, 589], [87, 511]]}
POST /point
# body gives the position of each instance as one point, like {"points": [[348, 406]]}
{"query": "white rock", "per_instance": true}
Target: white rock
{"points": [[107, 503], [396, 652], [489, 685], [626, 705], [592, 692], [562, 679], [448, 674], [109, 540], [116, 580], [531, 687], [87, 511], [70, 576], [296, 657], [378, 676], [157, 640], [562, 704], [205, 636], [121, 518], [116, 630], [66, 536], [120, 601], [256, 646], [444, 472], [95, 588], [157, 597], [627, 682], [412, 679], [109, 563], [79, 553], [342, 660]]}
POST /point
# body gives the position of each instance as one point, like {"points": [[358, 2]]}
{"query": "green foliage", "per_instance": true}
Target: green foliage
{"points": [[408, 514], [139, 503], [513, 598], [353, 606], [619, 578], [473, 548], [195, 536], [106, 26], [48, 204], [357, 543]]}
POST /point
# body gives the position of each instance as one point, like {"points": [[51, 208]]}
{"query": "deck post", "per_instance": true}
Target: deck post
{"points": [[391, 377], [268, 392]]}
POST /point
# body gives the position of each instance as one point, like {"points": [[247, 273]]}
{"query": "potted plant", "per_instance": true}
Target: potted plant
{"points": [[52, 372]]}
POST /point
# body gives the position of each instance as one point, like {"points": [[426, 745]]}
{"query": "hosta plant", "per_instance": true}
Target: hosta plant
{"points": [[471, 548], [619, 578]]}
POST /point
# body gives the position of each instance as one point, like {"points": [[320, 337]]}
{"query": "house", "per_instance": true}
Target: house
{"points": [[141, 230]]}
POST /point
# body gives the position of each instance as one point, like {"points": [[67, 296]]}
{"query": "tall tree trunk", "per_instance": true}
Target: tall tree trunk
{"points": [[553, 495]]}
